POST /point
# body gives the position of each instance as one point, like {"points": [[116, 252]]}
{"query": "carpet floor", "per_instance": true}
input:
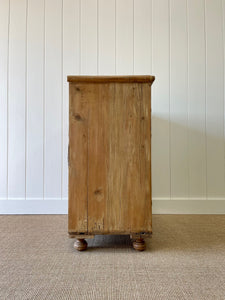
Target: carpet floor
{"points": [[185, 259]]}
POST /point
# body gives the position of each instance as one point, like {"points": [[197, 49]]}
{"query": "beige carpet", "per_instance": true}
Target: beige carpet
{"points": [[185, 259]]}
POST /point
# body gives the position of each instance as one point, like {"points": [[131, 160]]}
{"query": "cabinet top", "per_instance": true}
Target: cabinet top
{"points": [[107, 79]]}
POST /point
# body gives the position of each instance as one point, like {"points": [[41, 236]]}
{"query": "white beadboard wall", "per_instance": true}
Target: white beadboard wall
{"points": [[181, 42]]}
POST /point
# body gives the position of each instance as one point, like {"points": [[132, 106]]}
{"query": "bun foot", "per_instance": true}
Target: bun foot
{"points": [[139, 244], [80, 245]]}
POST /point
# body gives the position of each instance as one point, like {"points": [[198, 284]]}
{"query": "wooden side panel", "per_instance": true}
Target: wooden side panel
{"points": [[144, 205], [132, 191], [78, 159], [109, 168], [117, 160], [98, 154], [128, 207]]}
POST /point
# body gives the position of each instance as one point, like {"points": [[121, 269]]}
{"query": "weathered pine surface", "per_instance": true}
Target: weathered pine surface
{"points": [[110, 154]]}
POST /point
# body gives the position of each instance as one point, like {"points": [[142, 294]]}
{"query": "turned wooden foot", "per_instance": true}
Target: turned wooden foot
{"points": [[139, 244], [80, 245]]}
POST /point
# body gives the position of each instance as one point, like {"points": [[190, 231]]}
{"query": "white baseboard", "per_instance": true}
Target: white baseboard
{"points": [[188, 206], [33, 206], [159, 206]]}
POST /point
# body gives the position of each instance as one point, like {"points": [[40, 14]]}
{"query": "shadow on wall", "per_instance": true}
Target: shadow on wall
{"points": [[187, 158]]}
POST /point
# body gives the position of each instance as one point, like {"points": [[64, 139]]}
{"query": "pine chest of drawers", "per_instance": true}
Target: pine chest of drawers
{"points": [[110, 157]]}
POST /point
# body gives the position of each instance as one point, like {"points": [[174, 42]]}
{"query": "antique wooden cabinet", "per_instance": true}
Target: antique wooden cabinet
{"points": [[109, 157]]}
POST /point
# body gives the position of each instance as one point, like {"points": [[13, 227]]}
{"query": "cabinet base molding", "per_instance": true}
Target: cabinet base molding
{"points": [[80, 236], [142, 235], [138, 240]]}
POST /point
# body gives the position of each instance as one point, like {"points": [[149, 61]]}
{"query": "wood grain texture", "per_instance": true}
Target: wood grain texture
{"points": [[108, 79], [78, 159], [109, 165], [98, 144], [116, 178], [145, 159], [79, 236]]}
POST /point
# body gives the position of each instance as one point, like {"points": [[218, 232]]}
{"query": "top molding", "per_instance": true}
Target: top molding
{"points": [[107, 79]]}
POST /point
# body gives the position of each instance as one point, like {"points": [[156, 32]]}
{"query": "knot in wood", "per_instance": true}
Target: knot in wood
{"points": [[98, 192], [78, 117]]}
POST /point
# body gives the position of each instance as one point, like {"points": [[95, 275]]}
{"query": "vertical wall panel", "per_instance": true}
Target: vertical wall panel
{"points": [[178, 98], [53, 99], [71, 64], [124, 37], [161, 101], [106, 39], [181, 42], [89, 33], [142, 37], [17, 99], [35, 93], [214, 99], [196, 99], [4, 17], [223, 15]]}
